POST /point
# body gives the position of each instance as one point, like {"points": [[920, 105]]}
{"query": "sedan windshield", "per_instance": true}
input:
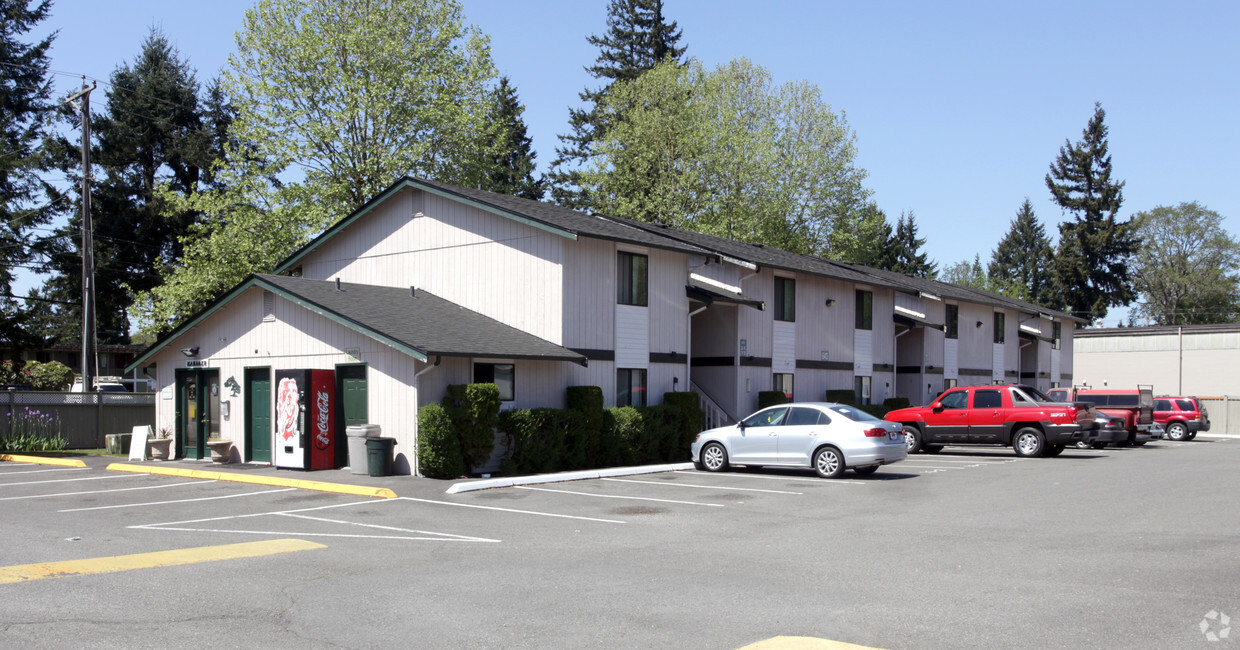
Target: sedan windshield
{"points": [[854, 414]]}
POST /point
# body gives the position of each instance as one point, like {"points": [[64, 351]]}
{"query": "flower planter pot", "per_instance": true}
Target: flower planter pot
{"points": [[159, 448], [221, 450]]}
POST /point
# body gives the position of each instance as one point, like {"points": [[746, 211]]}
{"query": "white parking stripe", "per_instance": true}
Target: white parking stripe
{"points": [[817, 481], [71, 480], [520, 512], [616, 496], [39, 471], [284, 533], [466, 538], [161, 503], [71, 494], [705, 487]]}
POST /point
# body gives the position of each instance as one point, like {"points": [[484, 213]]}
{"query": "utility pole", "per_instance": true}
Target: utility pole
{"points": [[89, 352]]}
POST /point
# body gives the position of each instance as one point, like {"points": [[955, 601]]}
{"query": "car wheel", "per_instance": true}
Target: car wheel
{"points": [[1177, 431], [865, 471], [1101, 445], [1191, 436], [828, 462], [1083, 444], [714, 457], [1029, 443], [912, 439], [1054, 450], [1139, 444], [932, 449]]}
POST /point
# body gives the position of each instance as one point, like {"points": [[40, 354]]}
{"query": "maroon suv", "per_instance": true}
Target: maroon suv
{"points": [[1182, 417]]}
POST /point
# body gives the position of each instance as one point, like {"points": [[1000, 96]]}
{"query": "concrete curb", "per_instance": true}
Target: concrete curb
{"points": [[491, 483], [42, 460], [321, 486]]}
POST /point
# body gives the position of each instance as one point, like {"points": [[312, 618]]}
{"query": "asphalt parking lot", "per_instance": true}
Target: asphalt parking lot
{"points": [[967, 548]]}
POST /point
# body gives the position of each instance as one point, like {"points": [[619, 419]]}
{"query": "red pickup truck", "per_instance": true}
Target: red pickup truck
{"points": [[1014, 416], [1135, 406]]}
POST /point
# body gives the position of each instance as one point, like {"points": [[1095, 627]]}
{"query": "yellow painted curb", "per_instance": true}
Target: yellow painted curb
{"points": [[93, 566], [43, 460], [321, 486]]}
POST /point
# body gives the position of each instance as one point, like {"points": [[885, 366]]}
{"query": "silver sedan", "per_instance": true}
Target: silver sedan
{"points": [[824, 436]]}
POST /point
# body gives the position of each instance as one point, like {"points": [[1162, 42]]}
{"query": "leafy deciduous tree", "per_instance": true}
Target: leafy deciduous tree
{"points": [[1185, 270], [727, 153], [637, 39], [356, 94]]}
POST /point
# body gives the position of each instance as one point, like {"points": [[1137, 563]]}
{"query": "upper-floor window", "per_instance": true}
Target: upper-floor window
{"points": [[951, 324], [785, 299], [865, 310], [632, 279], [1000, 327], [1056, 333]]}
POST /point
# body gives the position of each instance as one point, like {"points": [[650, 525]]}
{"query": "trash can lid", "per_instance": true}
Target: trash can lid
{"points": [[362, 430]]}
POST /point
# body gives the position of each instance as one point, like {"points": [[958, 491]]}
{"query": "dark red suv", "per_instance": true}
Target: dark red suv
{"points": [[1182, 417]]}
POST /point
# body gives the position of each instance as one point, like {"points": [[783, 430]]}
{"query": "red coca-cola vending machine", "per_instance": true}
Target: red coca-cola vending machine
{"points": [[305, 418]]}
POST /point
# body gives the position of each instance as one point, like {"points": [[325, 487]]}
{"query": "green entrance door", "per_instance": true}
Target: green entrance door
{"points": [[351, 390], [198, 411], [258, 414]]}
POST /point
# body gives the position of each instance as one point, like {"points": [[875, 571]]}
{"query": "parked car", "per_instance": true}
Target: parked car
{"points": [[105, 384], [1181, 417], [1135, 406], [1108, 430], [1014, 416], [827, 437]]}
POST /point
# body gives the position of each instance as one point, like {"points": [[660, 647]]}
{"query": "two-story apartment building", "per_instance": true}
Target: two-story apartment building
{"points": [[430, 284]]}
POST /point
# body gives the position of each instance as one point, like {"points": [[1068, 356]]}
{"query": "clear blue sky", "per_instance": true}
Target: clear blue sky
{"points": [[958, 107]]}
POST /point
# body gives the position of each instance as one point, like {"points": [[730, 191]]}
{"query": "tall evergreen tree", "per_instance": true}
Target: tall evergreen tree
{"points": [[151, 133], [26, 200], [637, 39], [505, 160], [1020, 260], [1091, 265], [904, 253]]}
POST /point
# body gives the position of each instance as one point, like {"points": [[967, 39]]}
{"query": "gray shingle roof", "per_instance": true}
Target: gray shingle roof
{"points": [[425, 321]]}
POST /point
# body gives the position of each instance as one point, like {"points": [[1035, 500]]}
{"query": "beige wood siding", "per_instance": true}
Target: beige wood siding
{"points": [[493, 265]]}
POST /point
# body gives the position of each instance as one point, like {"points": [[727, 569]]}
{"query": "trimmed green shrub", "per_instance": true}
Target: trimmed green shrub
{"points": [[843, 396], [771, 398], [474, 410], [893, 403], [537, 439], [585, 443], [691, 421], [439, 447], [625, 435]]}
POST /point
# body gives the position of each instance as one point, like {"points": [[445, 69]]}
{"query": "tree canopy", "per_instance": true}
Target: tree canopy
{"points": [[726, 152], [1091, 264], [334, 101], [637, 39], [1186, 268], [1019, 264], [504, 158], [26, 199], [904, 250]]}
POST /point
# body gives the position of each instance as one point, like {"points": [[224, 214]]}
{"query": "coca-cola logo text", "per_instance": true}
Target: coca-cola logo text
{"points": [[323, 439]]}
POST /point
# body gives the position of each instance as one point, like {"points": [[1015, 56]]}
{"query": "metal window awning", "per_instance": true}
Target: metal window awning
{"points": [[710, 294], [1030, 336], [912, 321]]}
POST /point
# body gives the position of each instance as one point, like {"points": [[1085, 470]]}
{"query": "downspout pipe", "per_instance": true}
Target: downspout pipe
{"points": [[418, 385]]}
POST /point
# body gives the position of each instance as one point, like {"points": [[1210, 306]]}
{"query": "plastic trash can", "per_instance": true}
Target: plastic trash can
{"points": [[357, 435], [379, 455]]}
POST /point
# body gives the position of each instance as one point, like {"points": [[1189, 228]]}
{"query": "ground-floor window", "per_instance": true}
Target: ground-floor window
{"points": [[503, 375], [861, 386], [783, 384], [630, 387], [949, 383]]}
